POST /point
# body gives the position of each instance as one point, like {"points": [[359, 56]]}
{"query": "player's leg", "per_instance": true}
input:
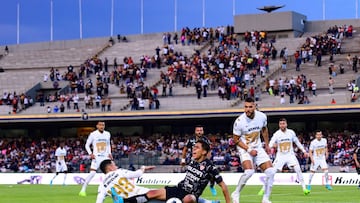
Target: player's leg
{"points": [[91, 175], [64, 169], [270, 173], [263, 161], [116, 197], [278, 165], [65, 174], [358, 172], [56, 174], [294, 163], [313, 168], [247, 165], [324, 168], [212, 186]]}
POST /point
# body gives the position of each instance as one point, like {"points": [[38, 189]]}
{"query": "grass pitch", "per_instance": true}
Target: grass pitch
{"points": [[282, 194]]}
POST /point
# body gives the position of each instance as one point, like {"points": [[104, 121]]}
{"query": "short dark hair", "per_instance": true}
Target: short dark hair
{"points": [[205, 144], [318, 131], [249, 99], [282, 119], [104, 164]]}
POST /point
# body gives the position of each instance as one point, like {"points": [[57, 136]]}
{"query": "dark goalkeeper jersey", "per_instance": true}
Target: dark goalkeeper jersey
{"points": [[198, 176]]}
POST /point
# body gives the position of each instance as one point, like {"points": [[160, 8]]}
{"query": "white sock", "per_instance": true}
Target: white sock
{"points": [[64, 178], [87, 180], [54, 177], [270, 173], [310, 177], [243, 179], [299, 176], [326, 177]]}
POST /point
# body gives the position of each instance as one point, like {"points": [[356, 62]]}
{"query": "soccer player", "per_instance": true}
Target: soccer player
{"points": [[283, 139], [61, 167], [247, 129], [101, 150], [187, 152], [198, 173], [117, 184], [318, 152], [357, 160]]}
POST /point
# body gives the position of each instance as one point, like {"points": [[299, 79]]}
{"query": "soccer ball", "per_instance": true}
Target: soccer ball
{"points": [[173, 200]]}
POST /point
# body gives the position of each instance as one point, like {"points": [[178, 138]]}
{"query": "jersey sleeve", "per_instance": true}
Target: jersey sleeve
{"points": [[273, 140], [131, 174], [237, 128], [297, 142], [57, 153], [214, 172]]}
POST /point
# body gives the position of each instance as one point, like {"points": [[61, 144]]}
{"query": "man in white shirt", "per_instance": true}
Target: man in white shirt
{"points": [[61, 167], [318, 152], [117, 184], [283, 140], [101, 150], [247, 129]]}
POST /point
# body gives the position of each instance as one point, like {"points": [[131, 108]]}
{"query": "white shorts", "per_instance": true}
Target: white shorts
{"points": [[281, 160], [61, 166], [95, 163], [318, 162], [259, 159]]}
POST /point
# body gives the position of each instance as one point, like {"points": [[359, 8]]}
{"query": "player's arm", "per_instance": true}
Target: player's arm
{"points": [[311, 155], [87, 146], [108, 148], [225, 191], [135, 174], [299, 145], [326, 153], [101, 194], [183, 155], [357, 164], [265, 135], [240, 143]]}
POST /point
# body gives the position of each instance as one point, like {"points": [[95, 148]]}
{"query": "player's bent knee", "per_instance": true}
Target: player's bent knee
{"points": [[270, 171], [249, 172], [189, 199]]}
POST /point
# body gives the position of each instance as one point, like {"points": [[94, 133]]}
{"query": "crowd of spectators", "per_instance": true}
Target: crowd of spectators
{"points": [[37, 154], [16, 102], [224, 67]]}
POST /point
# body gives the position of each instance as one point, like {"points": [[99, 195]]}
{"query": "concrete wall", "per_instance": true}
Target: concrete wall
{"points": [[60, 44], [321, 25], [278, 21]]}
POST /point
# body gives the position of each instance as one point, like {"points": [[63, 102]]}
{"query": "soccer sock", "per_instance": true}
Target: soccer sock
{"points": [[270, 173], [202, 200], [54, 177], [244, 178], [326, 177], [64, 178], [212, 182], [299, 176], [310, 177], [87, 180]]}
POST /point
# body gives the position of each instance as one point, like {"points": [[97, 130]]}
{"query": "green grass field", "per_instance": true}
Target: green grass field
{"points": [[284, 194]]}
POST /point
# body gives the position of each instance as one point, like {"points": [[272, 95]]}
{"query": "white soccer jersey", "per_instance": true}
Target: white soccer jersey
{"points": [[119, 179], [284, 142], [100, 143], [249, 129], [60, 154], [318, 148]]}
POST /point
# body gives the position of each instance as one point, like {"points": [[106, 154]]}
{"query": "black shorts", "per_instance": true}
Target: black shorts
{"points": [[174, 191], [358, 170]]}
